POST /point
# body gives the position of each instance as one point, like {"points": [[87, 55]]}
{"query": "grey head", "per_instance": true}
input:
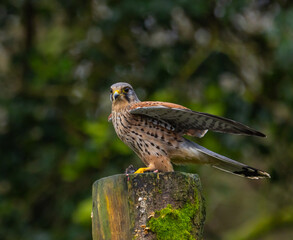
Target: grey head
{"points": [[121, 92]]}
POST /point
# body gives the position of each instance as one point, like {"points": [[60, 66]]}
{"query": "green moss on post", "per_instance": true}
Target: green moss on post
{"points": [[148, 206], [170, 223]]}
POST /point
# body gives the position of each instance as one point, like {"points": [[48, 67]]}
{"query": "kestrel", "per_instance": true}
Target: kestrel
{"points": [[155, 130]]}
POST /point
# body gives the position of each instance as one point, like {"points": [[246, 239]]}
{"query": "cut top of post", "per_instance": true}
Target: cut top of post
{"points": [[148, 206]]}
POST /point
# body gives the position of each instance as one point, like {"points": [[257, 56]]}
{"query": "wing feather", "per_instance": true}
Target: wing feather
{"points": [[191, 122]]}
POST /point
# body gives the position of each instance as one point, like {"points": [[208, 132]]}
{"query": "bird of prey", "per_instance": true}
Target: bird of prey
{"points": [[154, 131]]}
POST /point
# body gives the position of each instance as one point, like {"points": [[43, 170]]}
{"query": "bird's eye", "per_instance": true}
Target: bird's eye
{"points": [[111, 91], [126, 90]]}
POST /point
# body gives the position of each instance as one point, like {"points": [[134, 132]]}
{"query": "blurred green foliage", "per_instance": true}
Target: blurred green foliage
{"points": [[57, 62]]}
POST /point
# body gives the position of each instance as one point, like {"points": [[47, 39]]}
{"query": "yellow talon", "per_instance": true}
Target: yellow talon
{"points": [[141, 170]]}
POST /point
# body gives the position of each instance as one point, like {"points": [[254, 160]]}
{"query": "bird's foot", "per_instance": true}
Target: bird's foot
{"points": [[148, 169], [141, 170]]}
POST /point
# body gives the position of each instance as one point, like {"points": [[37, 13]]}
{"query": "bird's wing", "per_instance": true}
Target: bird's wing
{"points": [[191, 122]]}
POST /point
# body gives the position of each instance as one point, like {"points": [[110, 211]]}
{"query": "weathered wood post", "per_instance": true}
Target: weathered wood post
{"points": [[167, 206]]}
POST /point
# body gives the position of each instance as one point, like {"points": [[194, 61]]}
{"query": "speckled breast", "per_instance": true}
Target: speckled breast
{"points": [[144, 135]]}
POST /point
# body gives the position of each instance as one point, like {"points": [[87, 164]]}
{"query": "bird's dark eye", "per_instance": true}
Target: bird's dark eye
{"points": [[111, 91], [126, 90]]}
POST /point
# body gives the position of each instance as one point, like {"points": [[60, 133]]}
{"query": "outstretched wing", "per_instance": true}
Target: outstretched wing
{"points": [[190, 122]]}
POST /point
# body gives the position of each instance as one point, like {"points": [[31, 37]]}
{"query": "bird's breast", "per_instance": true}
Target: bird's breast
{"points": [[145, 135], [121, 124]]}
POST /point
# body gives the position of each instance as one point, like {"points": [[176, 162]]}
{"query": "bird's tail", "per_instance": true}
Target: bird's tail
{"points": [[223, 163]]}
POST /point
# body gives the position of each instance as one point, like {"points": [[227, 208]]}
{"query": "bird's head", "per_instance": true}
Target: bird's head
{"points": [[122, 93]]}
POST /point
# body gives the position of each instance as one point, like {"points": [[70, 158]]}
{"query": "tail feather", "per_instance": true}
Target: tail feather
{"points": [[226, 164]]}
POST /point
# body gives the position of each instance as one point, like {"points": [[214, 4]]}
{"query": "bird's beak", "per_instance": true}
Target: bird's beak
{"points": [[116, 94]]}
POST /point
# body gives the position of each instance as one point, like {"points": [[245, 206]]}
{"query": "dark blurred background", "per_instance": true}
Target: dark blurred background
{"points": [[57, 62]]}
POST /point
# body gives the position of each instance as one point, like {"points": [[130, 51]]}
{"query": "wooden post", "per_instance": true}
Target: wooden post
{"points": [[148, 206]]}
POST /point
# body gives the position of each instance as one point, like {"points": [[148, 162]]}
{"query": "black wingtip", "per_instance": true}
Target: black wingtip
{"points": [[251, 132], [259, 134]]}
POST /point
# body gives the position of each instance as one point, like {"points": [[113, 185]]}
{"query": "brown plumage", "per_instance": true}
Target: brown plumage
{"points": [[154, 131]]}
